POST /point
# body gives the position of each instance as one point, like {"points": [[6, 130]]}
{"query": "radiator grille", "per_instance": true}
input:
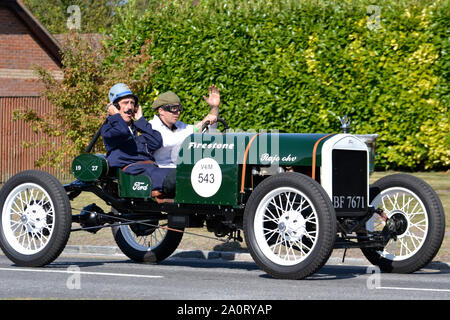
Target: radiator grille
{"points": [[349, 182]]}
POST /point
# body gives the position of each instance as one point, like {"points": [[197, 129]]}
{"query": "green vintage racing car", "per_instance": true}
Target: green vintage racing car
{"points": [[295, 196]]}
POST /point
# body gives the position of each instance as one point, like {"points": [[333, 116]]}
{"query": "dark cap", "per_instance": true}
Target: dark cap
{"points": [[164, 99]]}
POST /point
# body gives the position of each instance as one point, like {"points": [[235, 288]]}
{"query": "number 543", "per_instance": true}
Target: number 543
{"points": [[205, 178]]}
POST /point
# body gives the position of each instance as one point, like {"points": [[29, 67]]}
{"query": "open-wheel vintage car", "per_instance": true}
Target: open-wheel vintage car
{"points": [[295, 196]]}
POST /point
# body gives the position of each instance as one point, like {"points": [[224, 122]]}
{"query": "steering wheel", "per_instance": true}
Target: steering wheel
{"points": [[221, 120]]}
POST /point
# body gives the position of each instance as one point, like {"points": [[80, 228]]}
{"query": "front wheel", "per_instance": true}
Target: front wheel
{"points": [[35, 218], [420, 220], [289, 226]]}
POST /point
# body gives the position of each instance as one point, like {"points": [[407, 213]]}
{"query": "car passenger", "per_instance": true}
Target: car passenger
{"points": [[130, 140], [173, 131]]}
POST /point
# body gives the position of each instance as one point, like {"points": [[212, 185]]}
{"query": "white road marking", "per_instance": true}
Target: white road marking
{"points": [[82, 272], [414, 289]]}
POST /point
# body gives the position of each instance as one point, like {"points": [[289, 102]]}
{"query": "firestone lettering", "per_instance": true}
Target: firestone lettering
{"points": [[214, 145]]}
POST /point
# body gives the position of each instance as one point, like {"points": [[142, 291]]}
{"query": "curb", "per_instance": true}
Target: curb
{"points": [[223, 255]]}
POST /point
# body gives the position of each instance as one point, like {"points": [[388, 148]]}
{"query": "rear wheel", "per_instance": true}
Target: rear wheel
{"points": [[420, 223], [289, 226], [35, 218], [146, 242]]}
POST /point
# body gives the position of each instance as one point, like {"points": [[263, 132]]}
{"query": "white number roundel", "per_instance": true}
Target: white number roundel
{"points": [[206, 177]]}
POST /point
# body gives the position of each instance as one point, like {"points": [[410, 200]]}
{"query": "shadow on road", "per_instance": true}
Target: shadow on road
{"points": [[213, 263], [327, 272], [332, 272]]}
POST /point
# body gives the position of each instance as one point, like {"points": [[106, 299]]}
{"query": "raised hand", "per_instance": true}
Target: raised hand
{"points": [[214, 97]]}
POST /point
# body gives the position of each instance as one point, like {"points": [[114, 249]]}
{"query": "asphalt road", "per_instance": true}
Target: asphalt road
{"points": [[94, 277]]}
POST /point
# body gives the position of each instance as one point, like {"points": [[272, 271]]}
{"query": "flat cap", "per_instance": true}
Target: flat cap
{"points": [[164, 99]]}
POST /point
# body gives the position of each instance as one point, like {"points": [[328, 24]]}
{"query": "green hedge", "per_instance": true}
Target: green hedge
{"points": [[296, 66]]}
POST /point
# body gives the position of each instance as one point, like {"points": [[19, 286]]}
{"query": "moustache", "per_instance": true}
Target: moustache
{"points": [[130, 112]]}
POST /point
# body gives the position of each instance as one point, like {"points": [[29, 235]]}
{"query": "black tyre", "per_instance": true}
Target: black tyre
{"points": [[144, 243], [421, 219], [35, 220], [289, 226]]}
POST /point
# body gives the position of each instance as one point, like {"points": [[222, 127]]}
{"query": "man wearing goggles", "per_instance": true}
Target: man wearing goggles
{"points": [[173, 131], [130, 141]]}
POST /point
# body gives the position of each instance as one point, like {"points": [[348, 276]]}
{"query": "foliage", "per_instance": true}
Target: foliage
{"points": [[296, 66], [96, 16], [80, 99]]}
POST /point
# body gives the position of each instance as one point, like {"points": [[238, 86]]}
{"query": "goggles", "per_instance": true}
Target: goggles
{"points": [[173, 108]]}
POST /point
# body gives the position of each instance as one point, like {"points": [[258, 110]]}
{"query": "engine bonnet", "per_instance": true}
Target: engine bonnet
{"points": [[287, 149]]}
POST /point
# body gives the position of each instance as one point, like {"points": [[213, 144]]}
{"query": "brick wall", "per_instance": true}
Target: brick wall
{"points": [[19, 52], [20, 88]]}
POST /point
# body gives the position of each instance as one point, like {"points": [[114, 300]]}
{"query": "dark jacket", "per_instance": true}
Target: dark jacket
{"points": [[123, 146]]}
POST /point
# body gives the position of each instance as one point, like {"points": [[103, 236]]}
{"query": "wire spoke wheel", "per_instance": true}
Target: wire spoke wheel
{"points": [[286, 226], [411, 216], [147, 242], [419, 219], [27, 218], [35, 218], [289, 226], [143, 237]]}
